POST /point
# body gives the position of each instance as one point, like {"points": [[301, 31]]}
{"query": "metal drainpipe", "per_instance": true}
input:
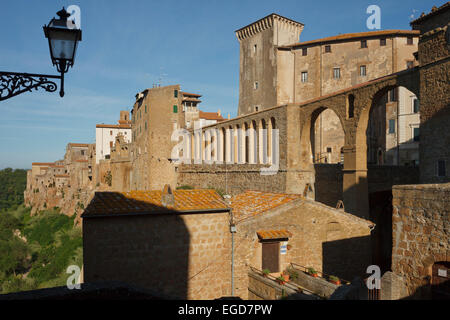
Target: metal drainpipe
{"points": [[233, 231]]}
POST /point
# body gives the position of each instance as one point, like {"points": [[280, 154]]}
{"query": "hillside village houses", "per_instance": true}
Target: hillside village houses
{"points": [[354, 186]]}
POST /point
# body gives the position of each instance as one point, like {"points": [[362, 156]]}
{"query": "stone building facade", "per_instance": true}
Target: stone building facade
{"points": [[174, 242]]}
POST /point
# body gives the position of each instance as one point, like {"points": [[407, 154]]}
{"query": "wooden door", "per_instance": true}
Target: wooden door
{"points": [[271, 256]]}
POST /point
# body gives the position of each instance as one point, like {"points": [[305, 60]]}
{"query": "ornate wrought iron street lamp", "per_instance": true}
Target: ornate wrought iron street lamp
{"points": [[63, 39]]}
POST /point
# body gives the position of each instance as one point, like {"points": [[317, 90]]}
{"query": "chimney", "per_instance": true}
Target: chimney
{"points": [[167, 198], [218, 112]]}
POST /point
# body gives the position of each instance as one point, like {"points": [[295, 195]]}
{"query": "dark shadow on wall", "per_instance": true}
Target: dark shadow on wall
{"points": [[380, 204], [148, 248], [431, 292], [347, 258], [328, 183]]}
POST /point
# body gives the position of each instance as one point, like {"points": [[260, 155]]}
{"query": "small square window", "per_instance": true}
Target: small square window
{"points": [[327, 48], [363, 43], [336, 73], [416, 134], [392, 126], [362, 70], [383, 42], [304, 51], [175, 94], [255, 85], [441, 172], [110, 132], [305, 76], [409, 41], [416, 107], [329, 149]]}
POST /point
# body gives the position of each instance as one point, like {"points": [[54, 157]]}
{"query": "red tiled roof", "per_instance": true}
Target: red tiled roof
{"points": [[353, 36], [111, 203], [78, 144], [114, 126], [42, 163], [191, 94], [210, 116], [273, 234], [192, 99], [251, 203]]}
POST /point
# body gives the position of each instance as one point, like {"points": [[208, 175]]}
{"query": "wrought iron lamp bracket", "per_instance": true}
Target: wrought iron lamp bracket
{"points": [[14, 83]]}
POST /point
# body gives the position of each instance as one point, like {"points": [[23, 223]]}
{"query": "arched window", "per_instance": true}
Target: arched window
{"points": [[247, 144]]}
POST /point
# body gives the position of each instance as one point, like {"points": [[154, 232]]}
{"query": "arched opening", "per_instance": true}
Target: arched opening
{"points": [[224, 144], [350, 106], [327, 137], [254, 142], [262, 141], [387, 146]]}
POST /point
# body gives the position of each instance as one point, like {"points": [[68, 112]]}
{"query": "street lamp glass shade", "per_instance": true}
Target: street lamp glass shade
{"points": [[62, 40]]}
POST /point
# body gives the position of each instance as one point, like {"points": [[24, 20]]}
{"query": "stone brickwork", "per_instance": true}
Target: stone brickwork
{"points": [[324, 238], [421, 226], [184, 256]]}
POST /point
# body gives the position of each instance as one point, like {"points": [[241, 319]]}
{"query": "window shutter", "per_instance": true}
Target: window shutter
{"points": [[175, 108]]}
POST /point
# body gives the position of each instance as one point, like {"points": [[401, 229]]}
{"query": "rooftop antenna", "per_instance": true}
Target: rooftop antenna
{"points": [[161, 76]]}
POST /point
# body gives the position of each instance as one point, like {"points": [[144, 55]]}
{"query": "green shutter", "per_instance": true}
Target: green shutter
{"points": [[175, 109]]}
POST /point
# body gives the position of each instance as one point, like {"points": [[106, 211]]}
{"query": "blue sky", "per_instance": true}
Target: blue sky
{"points": [[128, 45]]}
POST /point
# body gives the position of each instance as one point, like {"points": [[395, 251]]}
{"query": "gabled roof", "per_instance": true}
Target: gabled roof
{"points": [[148, 202], [251, 203], [210, 116]]}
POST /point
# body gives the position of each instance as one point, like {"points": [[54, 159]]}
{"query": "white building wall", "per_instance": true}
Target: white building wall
{"points": [[103, 137]]}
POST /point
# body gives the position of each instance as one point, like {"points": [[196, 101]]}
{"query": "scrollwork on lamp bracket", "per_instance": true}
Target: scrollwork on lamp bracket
{"points": [[14, 83]]}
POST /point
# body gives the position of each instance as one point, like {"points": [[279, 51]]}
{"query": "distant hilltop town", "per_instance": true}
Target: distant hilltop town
{"points": [[356, 127]]}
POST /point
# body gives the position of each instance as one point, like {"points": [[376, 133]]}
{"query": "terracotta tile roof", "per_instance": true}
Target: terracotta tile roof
{"points": [[114, 126], [191, 94], [78, 144], [273, 234], [210, 116], [116, 203], [192, 99], [251, 203], [353, 36], [42, 163]]}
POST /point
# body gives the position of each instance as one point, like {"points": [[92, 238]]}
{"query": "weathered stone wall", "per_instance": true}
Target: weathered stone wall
{"points": [[186, 256], [421, 224], [324, 238], [260, 288], [434, 60]]}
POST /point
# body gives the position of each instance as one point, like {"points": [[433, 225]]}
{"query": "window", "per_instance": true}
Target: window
{"points": [[362, 71], [145, 125], [336, 73], [416, 108], [256, 108], [351, 106], [305, 76], [110, 144], [329, 149], [409, 64], [304, 51], [416, 134], [363, 43], [383, 42], [175, 108], [392, 95], [255, 47], [110, 132], [392, 126], [255, 85], [409, 41], [175, 94], [441, 168], [327, 48]]}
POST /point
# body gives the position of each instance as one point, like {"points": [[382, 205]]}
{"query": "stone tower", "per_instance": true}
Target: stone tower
{"points": [[258, 60]]}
